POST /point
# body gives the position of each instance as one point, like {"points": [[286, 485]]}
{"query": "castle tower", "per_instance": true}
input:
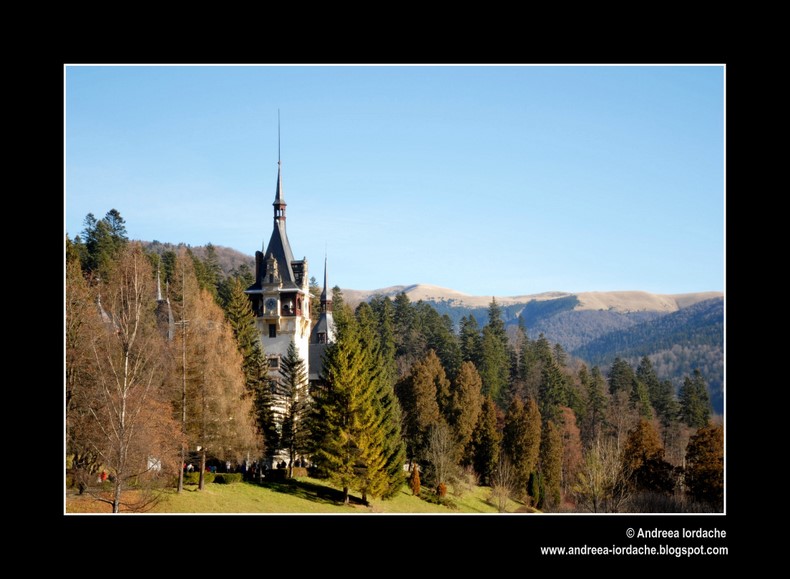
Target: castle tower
{"points": [[322, 336], [280, 295]]}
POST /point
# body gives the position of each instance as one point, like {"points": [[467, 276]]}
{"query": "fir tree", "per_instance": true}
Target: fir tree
{"points": [[595, 409], [349, 449], [551, 465], [552, 392], [292, 392], [695, 401], [485, 441], [418, 395], [521, 439], [495, 359], [470, 340]]}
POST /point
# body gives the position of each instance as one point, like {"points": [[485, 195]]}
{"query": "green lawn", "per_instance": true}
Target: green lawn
{"points": [[307, 495]]}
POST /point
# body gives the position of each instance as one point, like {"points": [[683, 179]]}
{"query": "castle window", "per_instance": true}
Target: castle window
{"points": [[274, 363], [321, 337], [272, 330]]}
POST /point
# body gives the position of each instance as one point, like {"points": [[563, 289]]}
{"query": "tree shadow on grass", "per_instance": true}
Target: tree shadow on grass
{"points": [[311, 492]]}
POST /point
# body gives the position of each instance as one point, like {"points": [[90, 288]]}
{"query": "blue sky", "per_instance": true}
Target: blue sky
{"points": [[491, 180]]}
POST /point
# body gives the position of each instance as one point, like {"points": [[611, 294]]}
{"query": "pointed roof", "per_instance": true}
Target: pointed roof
{"points": [[323, 291], [279, 198]]}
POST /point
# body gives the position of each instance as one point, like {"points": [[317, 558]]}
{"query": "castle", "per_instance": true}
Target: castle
{"points": [[280, 299]]}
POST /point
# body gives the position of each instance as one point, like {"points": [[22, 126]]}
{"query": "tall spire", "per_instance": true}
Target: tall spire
{"points": [[279, 200], [326, 304], [158, 286]]}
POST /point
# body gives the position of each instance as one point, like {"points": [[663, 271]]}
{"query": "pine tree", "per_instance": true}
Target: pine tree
{"points": [[705, 466], [485, 441], [621, 377], [495, 359], [595, 414], [294, 399], [104, 239], [695, 401], [348, 450], [552, 391], [242, 322], [551, 465], [470, 340], [521, 439], [387, 481]]}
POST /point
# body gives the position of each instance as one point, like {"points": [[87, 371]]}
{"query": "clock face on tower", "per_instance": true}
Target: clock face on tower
{"points": [[271, 305]]}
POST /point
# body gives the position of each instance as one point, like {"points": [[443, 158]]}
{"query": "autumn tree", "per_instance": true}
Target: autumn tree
{"points": [[644, 458], [705, 466], [418, 395], [463, 409], [485, 441], [571, 449], [441, 455], [83, 326], [132, 431], [695, 401], [214, 402]]}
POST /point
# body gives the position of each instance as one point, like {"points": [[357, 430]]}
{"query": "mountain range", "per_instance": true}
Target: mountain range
{"points": [[678, 332]]}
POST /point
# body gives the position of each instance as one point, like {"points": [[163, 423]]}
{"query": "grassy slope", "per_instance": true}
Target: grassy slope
{"points": [[306, 496]]}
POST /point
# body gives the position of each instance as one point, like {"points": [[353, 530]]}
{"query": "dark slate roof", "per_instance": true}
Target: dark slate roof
{"points": [[280, 248], [315, 356], [325, 325]]}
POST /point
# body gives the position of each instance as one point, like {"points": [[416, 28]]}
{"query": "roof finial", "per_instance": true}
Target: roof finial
{"points": [[278, 136]]}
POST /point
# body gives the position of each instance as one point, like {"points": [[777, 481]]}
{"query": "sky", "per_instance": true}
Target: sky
{"points": [[490, 180]]}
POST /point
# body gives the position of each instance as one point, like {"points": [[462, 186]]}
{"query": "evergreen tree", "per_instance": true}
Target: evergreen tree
{"points": [[470, 340], [495, 360], [551, 465], [464, 406], [595, 409], [293, 398], [348, 449], [621, 377], [104, 239], [242, 322], [641, 399], [705, 466], [646, 374], [387, 481], [552, 392], [437, 335], [485, 441], [521, 439], [695, 401]]}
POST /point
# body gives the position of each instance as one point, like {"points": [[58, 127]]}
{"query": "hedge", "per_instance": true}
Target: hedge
{"points": [[227, 478]]}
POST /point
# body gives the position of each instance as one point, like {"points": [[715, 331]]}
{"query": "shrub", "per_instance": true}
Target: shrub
{"points": [[299, 471], [414, 480], [228, 478], [193, 478], [441, 490]]}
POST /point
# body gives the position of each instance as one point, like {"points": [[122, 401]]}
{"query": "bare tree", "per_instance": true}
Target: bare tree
{"points": [[132, 430], [442, 455], [603, 479], [503, 482]]}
